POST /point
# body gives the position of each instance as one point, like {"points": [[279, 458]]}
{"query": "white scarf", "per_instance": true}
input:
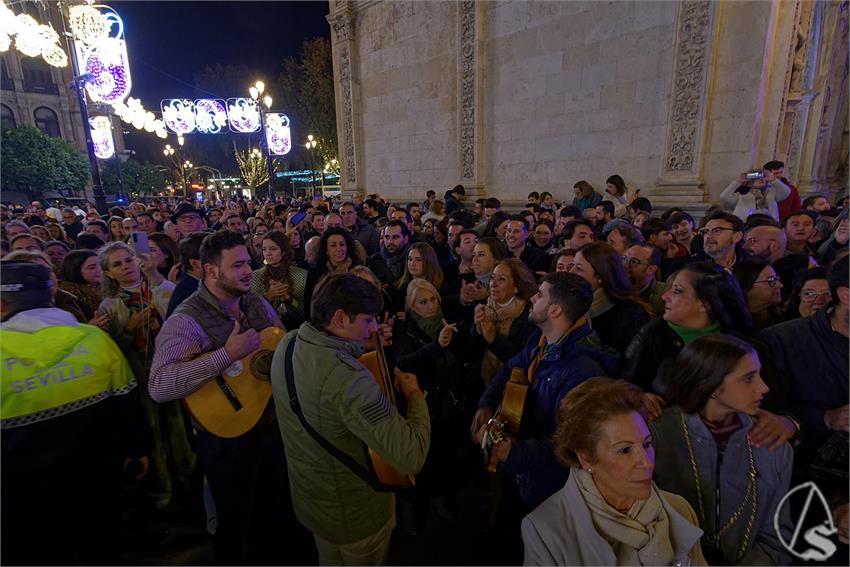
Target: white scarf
{"points": [[641, 536]]}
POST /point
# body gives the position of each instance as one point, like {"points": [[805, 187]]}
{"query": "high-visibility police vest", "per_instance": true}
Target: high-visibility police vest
{"points": [[57, 370]]}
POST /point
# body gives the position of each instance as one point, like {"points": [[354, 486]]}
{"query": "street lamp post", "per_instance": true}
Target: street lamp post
{"points": [[256, 91], [311, 145]]}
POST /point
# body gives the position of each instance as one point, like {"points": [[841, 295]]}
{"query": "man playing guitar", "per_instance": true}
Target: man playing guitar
{"points": [[562, 354], [330, 409], [211, 330]]}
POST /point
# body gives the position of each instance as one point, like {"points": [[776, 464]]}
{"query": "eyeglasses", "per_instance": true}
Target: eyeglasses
{"points": [[715, 231], [634, 261], [772, 281], [810, 295]]}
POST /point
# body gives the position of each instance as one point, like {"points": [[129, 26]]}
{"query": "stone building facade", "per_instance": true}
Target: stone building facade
{"points": [[508, 97]]}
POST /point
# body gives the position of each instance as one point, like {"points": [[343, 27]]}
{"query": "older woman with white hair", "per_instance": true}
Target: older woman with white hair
{"points": [[610, 512]]}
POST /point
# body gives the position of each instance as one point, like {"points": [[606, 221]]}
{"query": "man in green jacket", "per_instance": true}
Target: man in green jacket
{"points": [[341, 401]]}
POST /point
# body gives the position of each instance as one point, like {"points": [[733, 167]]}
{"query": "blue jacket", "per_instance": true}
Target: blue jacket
{"points": [[531, 460]]}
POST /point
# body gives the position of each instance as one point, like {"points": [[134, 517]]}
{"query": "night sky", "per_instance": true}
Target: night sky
{"points": [[169, 41]]}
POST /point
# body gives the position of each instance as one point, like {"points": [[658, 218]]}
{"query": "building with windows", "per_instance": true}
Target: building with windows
{"points": [[36, 94]]}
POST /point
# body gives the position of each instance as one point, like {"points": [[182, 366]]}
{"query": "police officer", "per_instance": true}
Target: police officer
{"points": [[70, 422]]}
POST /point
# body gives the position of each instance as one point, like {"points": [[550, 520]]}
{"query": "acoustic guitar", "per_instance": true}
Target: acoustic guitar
{"points": [[376, 362], [232, 403], [507, 419]]}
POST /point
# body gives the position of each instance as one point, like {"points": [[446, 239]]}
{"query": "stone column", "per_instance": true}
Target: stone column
{"points": [[821, 159], [341, 18], [680, 181], [470, 84]]}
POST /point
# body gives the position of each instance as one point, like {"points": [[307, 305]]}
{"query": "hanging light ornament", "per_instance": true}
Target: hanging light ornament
{"points": [[101, 133], [31, 38], [104, 60], [88, 24]]}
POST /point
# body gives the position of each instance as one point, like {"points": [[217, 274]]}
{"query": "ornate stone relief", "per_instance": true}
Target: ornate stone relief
{"points": [[342, 24], [345, 87], [691, 66], [468, 66]]}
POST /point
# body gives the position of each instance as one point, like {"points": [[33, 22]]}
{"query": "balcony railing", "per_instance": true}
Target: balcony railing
{"points": [[41, 88]]}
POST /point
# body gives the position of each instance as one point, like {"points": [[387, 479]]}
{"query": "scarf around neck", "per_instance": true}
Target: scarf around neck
{"points": [[601, 303], [641, 536], [431, 326]]}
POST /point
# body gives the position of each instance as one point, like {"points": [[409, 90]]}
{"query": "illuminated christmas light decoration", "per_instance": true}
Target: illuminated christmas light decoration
{"points": [[243, 115], [101, 135], [104, 62], [178, 114], [210, 115], [88, 24], [134, 113], [278, 136], [31, 38]]}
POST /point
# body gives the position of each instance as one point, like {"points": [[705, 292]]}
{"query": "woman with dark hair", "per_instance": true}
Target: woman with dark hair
{"points": [[81, 275], [501, 326], [617, 312], [296, 240], [705, 453], [280, 281], [701, 299], [497, 226], [810, 295], [763, 290], [164, 252], [609, 511], [116, 228], [422, 263], [279, 224], [336, 254], [487, 253]]}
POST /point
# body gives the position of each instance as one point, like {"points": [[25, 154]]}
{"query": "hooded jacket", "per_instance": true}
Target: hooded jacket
{"points": [[580, 356]]}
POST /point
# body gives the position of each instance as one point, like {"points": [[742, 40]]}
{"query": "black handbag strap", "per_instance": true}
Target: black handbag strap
{"points": [[367, 476]]}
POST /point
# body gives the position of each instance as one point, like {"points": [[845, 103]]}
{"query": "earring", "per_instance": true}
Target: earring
{"points": [[713, 396], [589, 470]]}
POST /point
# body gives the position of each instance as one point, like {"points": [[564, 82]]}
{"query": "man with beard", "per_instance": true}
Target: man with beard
{"points": [[561, 354], [721, 236], [642, 261], [214, 328], [388, 264]]}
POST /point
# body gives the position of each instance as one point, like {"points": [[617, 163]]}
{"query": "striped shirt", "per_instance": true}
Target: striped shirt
{"points": [[184, 360]]}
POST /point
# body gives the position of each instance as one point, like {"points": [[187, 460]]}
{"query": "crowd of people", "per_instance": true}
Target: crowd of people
{"points": [[623, 385]]}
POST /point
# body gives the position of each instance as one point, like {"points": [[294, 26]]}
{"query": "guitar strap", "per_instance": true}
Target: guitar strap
{"points": [[367, 476]]}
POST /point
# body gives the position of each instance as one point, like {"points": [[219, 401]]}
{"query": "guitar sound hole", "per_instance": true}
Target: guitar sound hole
{"points": [[261, 365]]}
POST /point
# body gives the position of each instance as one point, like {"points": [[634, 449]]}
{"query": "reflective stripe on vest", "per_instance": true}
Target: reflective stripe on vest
{"points": [[32, 390]]}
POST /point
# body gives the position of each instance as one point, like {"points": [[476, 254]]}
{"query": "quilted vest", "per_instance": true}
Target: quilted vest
{"points": [[204, 308]]}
